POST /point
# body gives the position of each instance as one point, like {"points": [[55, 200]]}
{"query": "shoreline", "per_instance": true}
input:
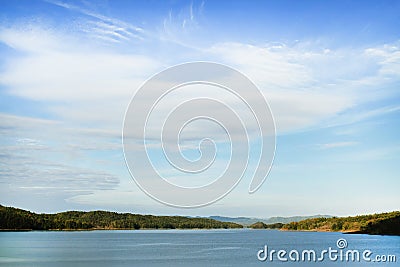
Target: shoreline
{"points": [[322, 231], [189, 229], [122, 229]]}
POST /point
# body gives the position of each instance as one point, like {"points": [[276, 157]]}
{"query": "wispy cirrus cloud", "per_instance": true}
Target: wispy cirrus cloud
{"points": [[108, 31], [104, 27], [174, 28]]}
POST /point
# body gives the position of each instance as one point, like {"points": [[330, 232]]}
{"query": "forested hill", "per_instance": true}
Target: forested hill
{"points": [[18, 219], [378, 224]]}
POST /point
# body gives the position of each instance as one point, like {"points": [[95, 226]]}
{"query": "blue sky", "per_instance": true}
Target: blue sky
{"points": [[330, 71]]}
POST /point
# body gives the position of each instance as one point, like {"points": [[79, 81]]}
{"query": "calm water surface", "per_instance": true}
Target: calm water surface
{"points": [[180, 248]]}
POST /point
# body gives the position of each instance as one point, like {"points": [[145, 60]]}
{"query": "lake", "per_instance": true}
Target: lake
{"points": [[237, 247]]}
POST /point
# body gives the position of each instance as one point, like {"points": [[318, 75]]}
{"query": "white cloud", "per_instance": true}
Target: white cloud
{"points": [[75, 83], [30, 38], [307, 86], [388, 56], [271, 67], [337, 144], [52, 72]]}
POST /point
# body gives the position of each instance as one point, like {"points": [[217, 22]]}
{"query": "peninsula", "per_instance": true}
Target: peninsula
{"points": [[376, 224]]}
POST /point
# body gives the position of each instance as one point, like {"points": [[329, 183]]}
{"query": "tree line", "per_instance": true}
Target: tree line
{"points": [[383, 223], [379, 224], [261, 225], [18, 219]]}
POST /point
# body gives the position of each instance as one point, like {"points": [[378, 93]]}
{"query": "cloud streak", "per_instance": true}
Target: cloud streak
{"points": [[337, 145], [105, 26], [39, 154]]}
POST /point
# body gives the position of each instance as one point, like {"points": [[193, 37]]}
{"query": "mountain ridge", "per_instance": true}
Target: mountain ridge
{"points": [[246, 221]]}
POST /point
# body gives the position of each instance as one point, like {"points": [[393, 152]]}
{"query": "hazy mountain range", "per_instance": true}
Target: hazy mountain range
{"points": [[247, 221]]}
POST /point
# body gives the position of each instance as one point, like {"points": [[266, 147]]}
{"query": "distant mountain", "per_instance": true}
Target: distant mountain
{"points": [[246, 221]]}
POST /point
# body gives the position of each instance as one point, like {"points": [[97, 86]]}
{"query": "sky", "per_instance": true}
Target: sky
{"points": [[330, 71]]}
